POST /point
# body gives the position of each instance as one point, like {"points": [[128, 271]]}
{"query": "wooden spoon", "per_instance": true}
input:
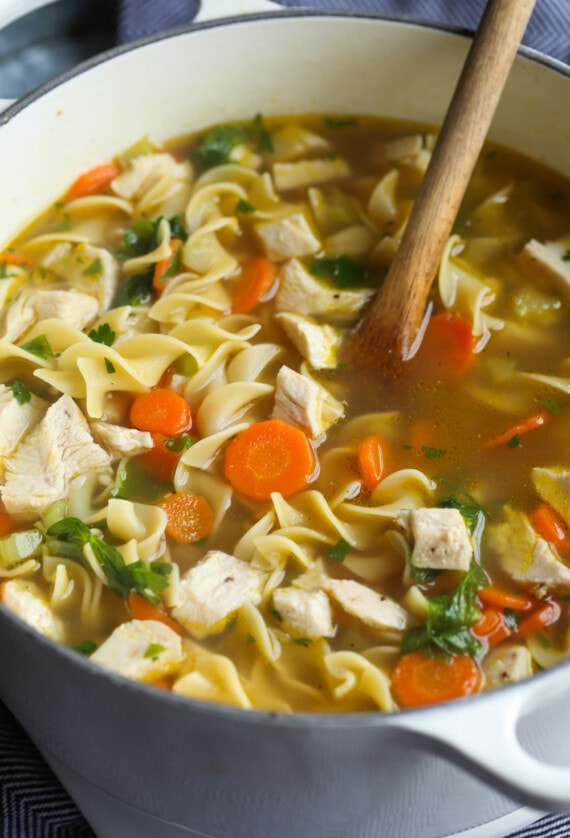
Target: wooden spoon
{"points": [[391, 330]]}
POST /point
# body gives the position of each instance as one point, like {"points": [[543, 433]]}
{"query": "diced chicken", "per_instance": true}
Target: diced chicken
{"points": [[91, 270], [548, 260], [16, 419], [34, 304], [121, 441], [305, 613], [402, 148], [441, 539], [214, 589], [301, 293], [316, 342], [293, 141], [288, 237], [553, 485], [367, 605], [144, 172], [144, 650], [302, 402], [309, 172], [506, 664], [59, 448], [525, 556], [26, 600]]}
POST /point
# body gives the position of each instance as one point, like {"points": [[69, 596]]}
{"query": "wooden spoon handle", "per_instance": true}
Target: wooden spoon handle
{"points": [[391, 325]]}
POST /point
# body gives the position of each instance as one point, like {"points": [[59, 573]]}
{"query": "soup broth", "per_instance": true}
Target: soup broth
{"points": [[201, 493]]}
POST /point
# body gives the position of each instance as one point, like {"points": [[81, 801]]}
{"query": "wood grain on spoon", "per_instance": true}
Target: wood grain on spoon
{"points": [[391, 328]]}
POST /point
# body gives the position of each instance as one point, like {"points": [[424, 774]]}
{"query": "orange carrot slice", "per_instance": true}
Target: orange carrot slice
{"points": [[418, 680]]}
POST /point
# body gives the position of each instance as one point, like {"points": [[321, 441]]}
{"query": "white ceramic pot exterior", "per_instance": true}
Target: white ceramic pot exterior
{"points": [[211, 770]]}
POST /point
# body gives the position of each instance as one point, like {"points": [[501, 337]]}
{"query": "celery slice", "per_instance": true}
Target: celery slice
{"points": [[19, 546]]}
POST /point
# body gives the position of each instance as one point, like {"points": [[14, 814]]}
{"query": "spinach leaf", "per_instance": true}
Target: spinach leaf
{"points": [[217, 146], [343, 270], [135, 290]]}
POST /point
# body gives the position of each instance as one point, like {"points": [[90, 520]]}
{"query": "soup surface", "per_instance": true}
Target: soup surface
{"points": [[201, 493]]}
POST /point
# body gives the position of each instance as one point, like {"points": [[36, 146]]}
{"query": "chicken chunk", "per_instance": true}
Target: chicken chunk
{"points": [[370, 607], [214, 589], [316, 342], [506, 664], [121, 441], [294, 141], [548, 260], [553, 485], [301, 293], [441, 539], [26, 600], [59, 448], [305, 613], [288, 237], [34, 304], [302, 402], [144, 650], [16, 418]]}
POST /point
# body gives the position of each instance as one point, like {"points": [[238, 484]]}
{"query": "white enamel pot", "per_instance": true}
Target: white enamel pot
{"points": [[140, 762]]}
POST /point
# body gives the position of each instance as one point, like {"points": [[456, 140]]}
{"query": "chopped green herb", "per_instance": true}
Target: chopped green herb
{"points": [[96, 267], [103, 334], [109, 366], [566, 256], [277, 615], [544, 641], [343, 270], [38, 346], [432, 453], [174, 265], [243, 207], [551, 405], [250, 639], [4, 274], [20, 392], [135, 290], [64, 226], [339, 551], [231, 623], [86, 647], [340, 121], [138, 239], [154, 650], [261, 134], [177, 228], [180, 443], [303, 641], [513, 618], [514, 441], [473, 514], [217, 146]]}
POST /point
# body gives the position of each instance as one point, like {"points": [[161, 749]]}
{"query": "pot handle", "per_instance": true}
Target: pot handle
{"points": [[482, 737], [214, 9]]}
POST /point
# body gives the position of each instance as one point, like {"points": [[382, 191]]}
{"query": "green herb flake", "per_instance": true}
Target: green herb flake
{"points": [[154, 650], [514, 441], [20, 392], [566, 256], [231, 623], [4, 271], [103, 334], [343, 270], [64, 226], [94, 269], [40, 347], [86, 647], [216, 147], [180, 443], [245, 208], [278, 616], [513, 618], [544, 641], [551, 405], [261, 135], [135, 290], [432, 453], [303, 641], [250, 640], [339, 551], [109, 366]]}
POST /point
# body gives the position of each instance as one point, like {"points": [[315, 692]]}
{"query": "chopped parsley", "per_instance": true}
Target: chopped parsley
{"points": [[216, 147], [432, 453], [135, 290], [4, 271], [95, 268], [303, 641], [245, 208], [20, 392], [551, 405], [154, 650], [86, 647], [109, 366], [566, 256], [103, 334], [261, 134], [339, 551], [514, 441], [39, 346], [344, 271]]}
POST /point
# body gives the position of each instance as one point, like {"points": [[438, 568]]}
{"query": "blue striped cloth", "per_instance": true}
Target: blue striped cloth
{"points": [[32, 803]]}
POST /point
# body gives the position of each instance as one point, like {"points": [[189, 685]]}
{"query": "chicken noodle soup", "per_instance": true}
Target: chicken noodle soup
{"points": [[200, 493]]}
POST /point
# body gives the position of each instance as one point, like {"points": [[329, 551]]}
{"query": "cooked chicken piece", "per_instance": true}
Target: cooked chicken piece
{"points": [[288, 237], [372, 608], [441, 539], [121, 441], [34, 304], [144, 650], [525, 556], [316, 342], [144, 172], [91, 270], [25, 599], [301, 293], [302, 402], [59, 448], [507, 663], [214, 589], [16, 419], [294, 141], [548, 260], [309, 172], [305, 613], [402, 148], [553, 485]]}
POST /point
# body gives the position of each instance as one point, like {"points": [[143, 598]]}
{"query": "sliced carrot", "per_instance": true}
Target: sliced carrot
{"points": [[7, 524], [531, 423], [189, 517], [163, 684], [268, 457], [10, 257], [258, 281], [160, 269], [142, 609], [546, 614], [94, 180], [448, 345], [492, 627], [499, 598], [551, 526], [371, 460], [161, 411], [418, 680]]}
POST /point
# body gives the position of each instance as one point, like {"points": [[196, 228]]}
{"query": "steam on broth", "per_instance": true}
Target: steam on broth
{"points": [[199, 493]]}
